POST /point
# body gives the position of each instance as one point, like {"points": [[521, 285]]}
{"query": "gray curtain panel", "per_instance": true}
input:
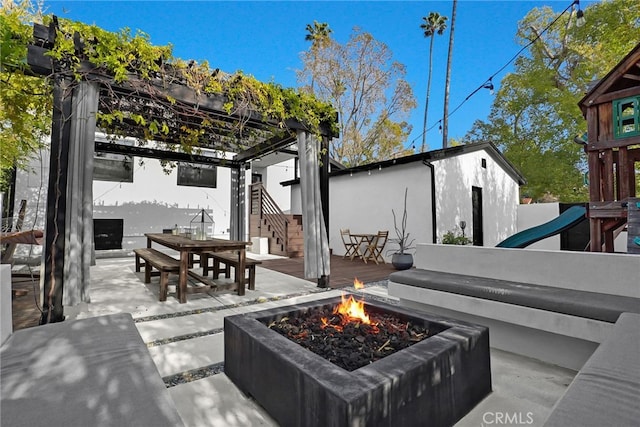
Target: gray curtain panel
{"points": [[79, 248], [316, 241]]}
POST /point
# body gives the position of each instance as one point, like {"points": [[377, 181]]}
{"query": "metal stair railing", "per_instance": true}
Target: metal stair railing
{"points": [[270, 213]]}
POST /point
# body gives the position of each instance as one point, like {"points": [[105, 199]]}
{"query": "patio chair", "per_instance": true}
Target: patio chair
{"points": [[350, 245], [374, 249]]}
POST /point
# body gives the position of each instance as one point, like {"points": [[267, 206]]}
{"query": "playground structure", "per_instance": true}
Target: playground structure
{"points": [[612, 110]]}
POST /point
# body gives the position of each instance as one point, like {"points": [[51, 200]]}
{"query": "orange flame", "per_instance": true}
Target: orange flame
{"points": [[349, 310], [352, 310]]}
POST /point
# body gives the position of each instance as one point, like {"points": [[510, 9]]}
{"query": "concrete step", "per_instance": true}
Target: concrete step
{"points": [[215, 401], [181, 356], [184, 325]]}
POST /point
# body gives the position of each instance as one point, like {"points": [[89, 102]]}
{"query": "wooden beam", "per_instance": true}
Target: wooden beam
{"points": [[151, 153], [595, 194], [270, 145], [608, 97], [634, 154], [631, 77], [622, 170], [613, 143], [611, 209], [38, 62], [608, 178], [592, 125], [595, 233]]}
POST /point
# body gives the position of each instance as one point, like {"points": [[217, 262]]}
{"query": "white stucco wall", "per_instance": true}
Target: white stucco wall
{"points": [[174, 204], [455, 176], [272, 176], [350, 196], [133, 202], [362, 202], [615, 274]]}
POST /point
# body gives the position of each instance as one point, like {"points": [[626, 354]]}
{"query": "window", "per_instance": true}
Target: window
{"points": [[626, 117]]}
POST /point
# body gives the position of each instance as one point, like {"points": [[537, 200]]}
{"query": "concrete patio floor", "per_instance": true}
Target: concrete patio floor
{"points": [[183, 338]]}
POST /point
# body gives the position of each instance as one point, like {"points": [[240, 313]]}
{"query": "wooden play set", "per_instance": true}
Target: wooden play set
{"points": [[612, 110]]}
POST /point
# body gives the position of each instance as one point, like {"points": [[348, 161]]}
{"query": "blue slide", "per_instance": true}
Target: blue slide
{"points": [[569, 218]]}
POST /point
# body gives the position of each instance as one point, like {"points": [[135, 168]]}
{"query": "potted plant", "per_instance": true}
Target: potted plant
{"points": [[401, 259]]}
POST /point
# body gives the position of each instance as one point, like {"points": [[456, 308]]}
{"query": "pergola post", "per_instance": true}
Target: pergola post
{"points": [[68, 251], [323, 280], [52, 310]]}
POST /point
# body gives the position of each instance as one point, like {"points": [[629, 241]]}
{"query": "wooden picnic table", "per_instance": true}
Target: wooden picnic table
{"points": [[187, 246]]}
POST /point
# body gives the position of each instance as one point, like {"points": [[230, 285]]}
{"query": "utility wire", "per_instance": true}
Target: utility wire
{"points": [[488, 81]]}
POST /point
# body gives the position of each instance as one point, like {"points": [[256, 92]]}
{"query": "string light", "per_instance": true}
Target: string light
{"points": [[488, 84]]}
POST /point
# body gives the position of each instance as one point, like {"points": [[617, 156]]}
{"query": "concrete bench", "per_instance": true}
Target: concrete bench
{"points": [[229, 260], [162, 262], [605, 391], [561, 326], [90, 372]]}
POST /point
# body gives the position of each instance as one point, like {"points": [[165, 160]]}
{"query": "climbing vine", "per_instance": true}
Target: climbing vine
{"points": [[146, 110]]}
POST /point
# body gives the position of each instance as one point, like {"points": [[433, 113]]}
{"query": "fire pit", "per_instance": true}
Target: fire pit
{"points": [[435, 380]]}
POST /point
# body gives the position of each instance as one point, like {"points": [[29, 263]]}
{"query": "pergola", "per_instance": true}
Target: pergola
{"points": [[204, 119]]}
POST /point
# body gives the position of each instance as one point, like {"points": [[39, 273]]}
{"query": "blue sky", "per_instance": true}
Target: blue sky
{"points": [[265, 39]]}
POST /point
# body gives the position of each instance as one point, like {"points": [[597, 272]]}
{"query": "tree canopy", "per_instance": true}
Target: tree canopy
{"points": [[26, 101], [366, 87], [535, 117]]}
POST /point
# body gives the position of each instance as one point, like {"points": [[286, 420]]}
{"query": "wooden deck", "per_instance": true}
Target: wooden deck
{"points": [[343, 271], [27, 314]]}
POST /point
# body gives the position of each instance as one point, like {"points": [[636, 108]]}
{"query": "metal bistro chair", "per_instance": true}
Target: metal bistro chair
{"points": [[350, 245], [374, 249]]}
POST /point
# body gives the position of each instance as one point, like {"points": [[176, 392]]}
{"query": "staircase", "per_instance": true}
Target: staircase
{"points": [[266, 219]]}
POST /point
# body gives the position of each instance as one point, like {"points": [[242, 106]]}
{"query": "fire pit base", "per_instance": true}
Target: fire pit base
{"points": [[434, 382]]}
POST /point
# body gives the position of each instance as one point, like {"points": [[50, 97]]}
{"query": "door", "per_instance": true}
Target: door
{"points": [[476, 200]]}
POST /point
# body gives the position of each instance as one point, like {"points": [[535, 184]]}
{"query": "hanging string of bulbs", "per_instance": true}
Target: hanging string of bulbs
{"points": [[488, 83]]}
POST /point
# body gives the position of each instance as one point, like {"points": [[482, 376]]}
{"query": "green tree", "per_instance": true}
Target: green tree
{"points": [[25, 101], [367, 89], [535, 117], [433, 24]]}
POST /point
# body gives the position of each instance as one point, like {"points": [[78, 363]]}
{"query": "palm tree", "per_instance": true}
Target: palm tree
{"points": [[445, 116], [432, 25], [318, 35]]}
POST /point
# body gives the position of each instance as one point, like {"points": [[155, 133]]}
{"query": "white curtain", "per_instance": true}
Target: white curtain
{"points": [[79, 250], [316, 241]]}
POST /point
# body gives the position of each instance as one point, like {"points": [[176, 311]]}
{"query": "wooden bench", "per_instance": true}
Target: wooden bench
{"points": [[229, 260], [560, 326], [162, 262]]}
